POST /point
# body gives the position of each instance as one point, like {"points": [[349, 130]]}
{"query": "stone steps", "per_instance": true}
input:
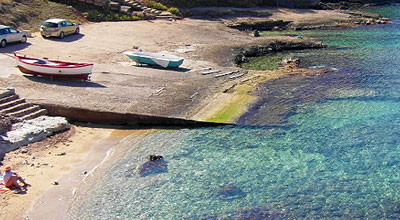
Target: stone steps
{"points": [[34, 114], [11, 104], [25, 111], [16, 108], [8, 98], [6, 92], [124, 6]]}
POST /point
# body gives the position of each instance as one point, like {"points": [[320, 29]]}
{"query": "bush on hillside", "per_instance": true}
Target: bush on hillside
{"points": [[156, 5], [174, 11], [99, 16]]}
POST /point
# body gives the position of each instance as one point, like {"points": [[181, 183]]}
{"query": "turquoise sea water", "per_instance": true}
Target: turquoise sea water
{"points": [[318, 147]]}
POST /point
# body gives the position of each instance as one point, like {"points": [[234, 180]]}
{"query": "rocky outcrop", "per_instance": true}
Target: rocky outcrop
{"points": [[275, 46], [256, 24], [29, 131], [354, 4]]}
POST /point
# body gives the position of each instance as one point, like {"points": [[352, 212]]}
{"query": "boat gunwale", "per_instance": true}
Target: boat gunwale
{"points": [[74, 65]]}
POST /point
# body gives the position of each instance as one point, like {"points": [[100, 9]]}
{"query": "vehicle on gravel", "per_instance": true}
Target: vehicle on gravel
{"points": [[58, 28], [11, 35]]}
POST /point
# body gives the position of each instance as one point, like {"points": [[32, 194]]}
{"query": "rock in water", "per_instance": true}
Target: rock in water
{"points": [[231, 192], [155, 157], [291, 62], [153, 167]]}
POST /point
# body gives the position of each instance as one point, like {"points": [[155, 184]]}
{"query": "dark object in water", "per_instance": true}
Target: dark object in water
{"points": [[155, 157], [154, 166], [231, 192]]}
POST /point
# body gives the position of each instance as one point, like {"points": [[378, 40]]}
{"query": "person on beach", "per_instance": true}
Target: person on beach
{"points": [[11, 180]]}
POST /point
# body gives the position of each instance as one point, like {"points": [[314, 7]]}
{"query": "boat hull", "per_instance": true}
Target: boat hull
{"points": [[55, 68], [155, 61], [83, 76]]}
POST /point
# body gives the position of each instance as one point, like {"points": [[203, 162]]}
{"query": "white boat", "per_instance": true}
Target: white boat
{"points": [[53, 68], [164, 60]]}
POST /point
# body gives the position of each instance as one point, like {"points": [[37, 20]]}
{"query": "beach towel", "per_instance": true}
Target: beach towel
{"points": [[2, 187]]}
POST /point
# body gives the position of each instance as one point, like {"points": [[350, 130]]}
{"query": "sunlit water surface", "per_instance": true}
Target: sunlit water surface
{"points": [[314, 147]]}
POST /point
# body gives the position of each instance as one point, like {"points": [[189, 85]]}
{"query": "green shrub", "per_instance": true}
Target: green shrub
{"points": [[174, 11], [156, 5], [95, 15], [263, 63]]}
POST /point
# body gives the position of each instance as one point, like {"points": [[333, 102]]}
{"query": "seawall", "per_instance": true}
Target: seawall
{"points": [[126, 119]]}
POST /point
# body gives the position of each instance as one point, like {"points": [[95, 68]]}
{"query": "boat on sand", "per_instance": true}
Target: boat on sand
{"points": [[155, 59], [53, 68]]}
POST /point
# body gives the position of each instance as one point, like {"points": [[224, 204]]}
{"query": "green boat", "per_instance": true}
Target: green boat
{"points": [[155, 59]]}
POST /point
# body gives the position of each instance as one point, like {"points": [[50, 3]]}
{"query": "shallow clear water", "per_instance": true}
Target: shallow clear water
{"points": [[331, 148]]}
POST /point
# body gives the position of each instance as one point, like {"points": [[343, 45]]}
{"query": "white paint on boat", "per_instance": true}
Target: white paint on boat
{"points": [[159, 58], [55, 69]]}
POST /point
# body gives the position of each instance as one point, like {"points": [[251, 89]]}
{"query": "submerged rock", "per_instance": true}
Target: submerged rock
{"points": [[231, 192], [153, 167]]}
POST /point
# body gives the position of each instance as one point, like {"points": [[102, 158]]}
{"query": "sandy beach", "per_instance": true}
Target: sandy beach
{"points": [[202, 42], [43, 165]]}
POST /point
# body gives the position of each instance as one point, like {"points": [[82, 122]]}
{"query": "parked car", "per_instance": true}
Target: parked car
{"points": [[58, 28], [9, 35]]}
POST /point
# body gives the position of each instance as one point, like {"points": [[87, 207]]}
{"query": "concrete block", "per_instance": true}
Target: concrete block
{"points": [[125, 9]]}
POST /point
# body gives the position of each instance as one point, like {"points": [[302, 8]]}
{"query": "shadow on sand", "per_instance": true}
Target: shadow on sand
{"points": [[64, 82], [177, 69], [67, 38], [14, 47]]}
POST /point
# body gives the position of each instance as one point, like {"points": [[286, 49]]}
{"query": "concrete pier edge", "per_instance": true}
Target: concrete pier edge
{"points": [[76, 114]]}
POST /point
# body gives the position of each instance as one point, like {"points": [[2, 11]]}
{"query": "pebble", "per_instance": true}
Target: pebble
{"points": [[61, 154], [55, 183], [24, 151]]}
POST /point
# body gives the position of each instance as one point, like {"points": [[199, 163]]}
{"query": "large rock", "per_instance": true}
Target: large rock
{"points": [[256, 24], [114, 6], [30, 131]]}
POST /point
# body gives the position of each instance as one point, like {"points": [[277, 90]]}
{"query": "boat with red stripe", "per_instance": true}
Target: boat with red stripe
{"points": [[54, 68]]}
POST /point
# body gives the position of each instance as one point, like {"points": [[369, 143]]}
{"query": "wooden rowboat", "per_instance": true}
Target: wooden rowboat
{"points": [[53, 68]]}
